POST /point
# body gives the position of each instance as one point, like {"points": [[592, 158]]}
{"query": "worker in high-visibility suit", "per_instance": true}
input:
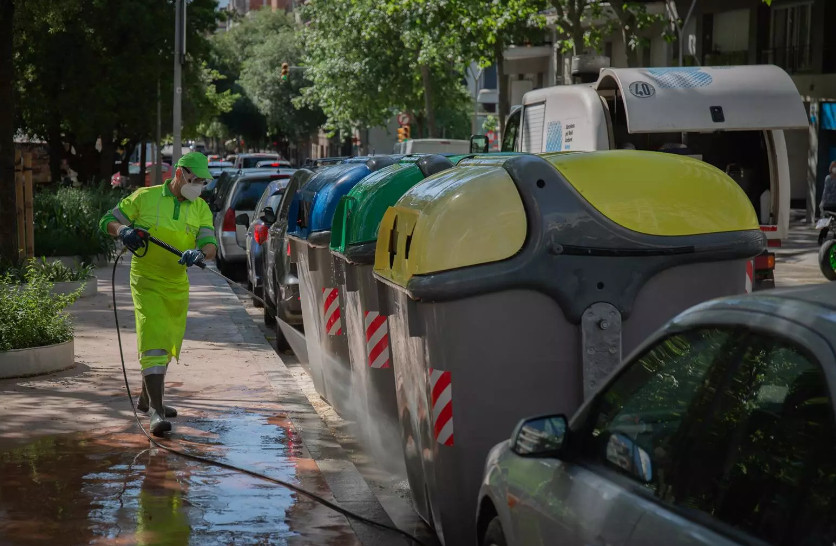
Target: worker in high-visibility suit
{"points": [[174, 214]]}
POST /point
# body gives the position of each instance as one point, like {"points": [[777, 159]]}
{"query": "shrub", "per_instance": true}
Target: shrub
{"points": [[67, 221], [54, 271], [31, 315]]}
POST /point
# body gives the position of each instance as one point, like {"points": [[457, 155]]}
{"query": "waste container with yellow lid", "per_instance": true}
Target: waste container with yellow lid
{"points": [[514, 285], [309, 232], [353, 240]]}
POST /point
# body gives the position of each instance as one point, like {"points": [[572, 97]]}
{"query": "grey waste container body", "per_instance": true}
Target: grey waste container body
{"points": [[353, 240], [477, 348], [311, 214]]}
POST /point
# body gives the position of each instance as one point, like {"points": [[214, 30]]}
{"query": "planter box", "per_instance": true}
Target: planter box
{"points": [[37, 360]]}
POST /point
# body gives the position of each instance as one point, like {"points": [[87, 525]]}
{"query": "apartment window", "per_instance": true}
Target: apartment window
{"points": [[790, 37]]}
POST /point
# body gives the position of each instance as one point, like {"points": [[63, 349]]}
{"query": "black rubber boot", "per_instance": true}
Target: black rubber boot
{"points": [[154, 385], [142, 404]]}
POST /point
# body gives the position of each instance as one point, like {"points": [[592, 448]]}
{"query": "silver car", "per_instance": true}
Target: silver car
{"points": [[719, 430], [241, 198]]}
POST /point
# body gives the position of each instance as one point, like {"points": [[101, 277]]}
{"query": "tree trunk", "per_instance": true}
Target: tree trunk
{"points": [[428, 100], [8, 211], [502, 104], [106, 157]]}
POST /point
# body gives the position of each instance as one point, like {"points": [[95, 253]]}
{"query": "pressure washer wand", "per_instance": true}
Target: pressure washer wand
{"points": [[201, 264]]}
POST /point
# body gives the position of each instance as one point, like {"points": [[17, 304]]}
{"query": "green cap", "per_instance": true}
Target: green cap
{"points": [[197, 163]]}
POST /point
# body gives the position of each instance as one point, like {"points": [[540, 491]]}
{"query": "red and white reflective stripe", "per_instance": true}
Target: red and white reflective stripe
{"points": [[377, 340], [442, 402], [331, 312], [750, 275]]}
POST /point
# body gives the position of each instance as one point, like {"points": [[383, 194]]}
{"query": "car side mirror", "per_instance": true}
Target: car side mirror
{"points": [[479, 144], [268, 215], [540, 436], [243, 220], [625, 454]]}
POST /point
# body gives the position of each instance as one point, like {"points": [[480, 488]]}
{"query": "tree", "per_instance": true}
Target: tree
{"points": [[8, 213], [91, 69], [368, 59], [252, 54], [493, 26]]}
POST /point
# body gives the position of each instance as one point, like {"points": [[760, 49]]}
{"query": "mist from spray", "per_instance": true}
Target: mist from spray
{"points": [[362, 407]]}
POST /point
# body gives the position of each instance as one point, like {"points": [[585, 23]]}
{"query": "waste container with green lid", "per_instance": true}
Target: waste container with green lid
{"points": [[353, 240], [309, 219], [514, 285]]}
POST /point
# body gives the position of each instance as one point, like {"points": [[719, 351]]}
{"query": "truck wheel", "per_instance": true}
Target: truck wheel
{"points": [[494, 535], [827, 259]]}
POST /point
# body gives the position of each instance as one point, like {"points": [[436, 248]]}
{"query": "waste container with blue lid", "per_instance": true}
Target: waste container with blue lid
{"points": [[514, 285], [353, 240], [309, 232]]}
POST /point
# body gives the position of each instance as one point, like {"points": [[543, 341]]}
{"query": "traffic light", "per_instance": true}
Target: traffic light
{"points": [[406, 132], [401, 134], [285, 71]]}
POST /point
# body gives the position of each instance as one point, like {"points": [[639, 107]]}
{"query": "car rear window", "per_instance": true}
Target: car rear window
{"points": [[247, 193], [250, 162]]}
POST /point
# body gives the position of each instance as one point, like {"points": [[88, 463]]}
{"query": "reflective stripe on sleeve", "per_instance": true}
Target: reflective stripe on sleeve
{"points": [[120, 216]]}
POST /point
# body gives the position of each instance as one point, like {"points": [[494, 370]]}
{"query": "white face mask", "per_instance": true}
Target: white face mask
{"points": [[191, 191]]}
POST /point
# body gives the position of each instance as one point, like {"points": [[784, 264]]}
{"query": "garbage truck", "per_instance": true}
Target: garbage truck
{"points": [[731, 117]]}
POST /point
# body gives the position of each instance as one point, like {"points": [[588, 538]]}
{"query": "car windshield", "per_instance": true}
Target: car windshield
{"points": [[250, 162], [247, 193]]}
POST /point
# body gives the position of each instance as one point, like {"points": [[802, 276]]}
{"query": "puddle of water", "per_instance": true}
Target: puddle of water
{"points": [[113, 489]]}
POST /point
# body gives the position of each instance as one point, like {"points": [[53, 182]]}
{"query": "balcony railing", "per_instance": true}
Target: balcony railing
{"points": [[791, 59]]}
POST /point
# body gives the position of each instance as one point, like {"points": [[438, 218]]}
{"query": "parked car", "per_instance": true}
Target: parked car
{"points": [[281, 163], [719, 430], [118, 180], [221, 188], [242, 196], [281, 283], [256, 235], [213, 157], [250, 161], [216, 168]]}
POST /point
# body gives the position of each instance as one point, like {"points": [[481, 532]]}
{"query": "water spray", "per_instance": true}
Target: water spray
{"points": [[140, 252]]}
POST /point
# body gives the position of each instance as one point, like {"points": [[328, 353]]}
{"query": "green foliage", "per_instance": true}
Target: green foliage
{"points": [[252, 53], [31, 315], [490, 123], [369, 59], [87, 68], [67, 221], [54, 271]]}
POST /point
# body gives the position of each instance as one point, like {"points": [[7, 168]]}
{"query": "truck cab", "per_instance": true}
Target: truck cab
{"points": [[730, 117]]}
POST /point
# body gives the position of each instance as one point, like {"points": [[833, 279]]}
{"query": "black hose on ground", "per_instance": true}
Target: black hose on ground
{"points": [[219, 464]]}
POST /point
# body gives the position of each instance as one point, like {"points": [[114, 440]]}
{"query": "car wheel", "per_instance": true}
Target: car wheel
{"points": [[258, 299], [281, 341], [269, 317], [827, 259], [494, 535]]}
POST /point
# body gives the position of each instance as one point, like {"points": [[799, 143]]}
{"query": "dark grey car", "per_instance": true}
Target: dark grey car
{"points": [[718, 430], [281, 285]]}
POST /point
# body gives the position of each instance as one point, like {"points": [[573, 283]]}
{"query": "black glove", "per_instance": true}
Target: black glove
{"points": [[191, 257], [130, 237]]}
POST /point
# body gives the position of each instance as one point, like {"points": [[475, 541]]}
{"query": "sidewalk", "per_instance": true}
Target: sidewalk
{"points": [[238, 403]]}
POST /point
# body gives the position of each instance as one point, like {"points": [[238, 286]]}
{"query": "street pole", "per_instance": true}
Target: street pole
{"points": [[179, 24]]}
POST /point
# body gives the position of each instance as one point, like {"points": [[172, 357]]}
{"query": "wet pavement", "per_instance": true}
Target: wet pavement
{"points": [[114, 489], [74, 468]]}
